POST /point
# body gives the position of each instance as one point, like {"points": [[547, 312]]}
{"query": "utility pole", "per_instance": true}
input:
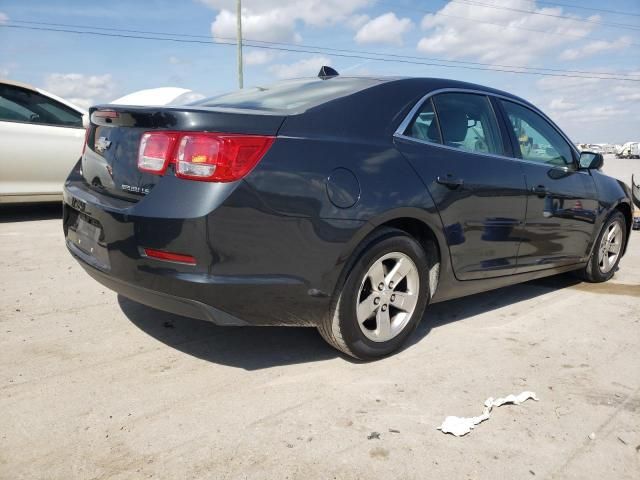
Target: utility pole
{"points": [[239, 40]]}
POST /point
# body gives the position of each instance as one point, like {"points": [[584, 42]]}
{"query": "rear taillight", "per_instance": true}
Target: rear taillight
{"points": [[218, 157], [213, 157], [155, 151]]}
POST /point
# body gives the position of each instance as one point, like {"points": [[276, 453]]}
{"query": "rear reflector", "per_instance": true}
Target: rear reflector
{"points": [[213, 157], [155, 151], [169, 256]]}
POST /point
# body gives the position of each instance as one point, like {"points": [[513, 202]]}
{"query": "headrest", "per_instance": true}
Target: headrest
{"points": [[453, 122], [433, 133]]}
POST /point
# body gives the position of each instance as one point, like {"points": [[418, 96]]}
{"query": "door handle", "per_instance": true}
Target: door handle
{"points": [[450, 181], [540, 190]]}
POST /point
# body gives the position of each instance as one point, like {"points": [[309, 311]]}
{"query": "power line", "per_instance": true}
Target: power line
{"points": [[581, 7], [544, 14], [325, 49], [501, 25], [515, 70], [468, 19]]}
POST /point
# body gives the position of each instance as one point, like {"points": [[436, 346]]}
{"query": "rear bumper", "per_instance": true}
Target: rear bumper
{"points": [[155, 299], [253, 266]]}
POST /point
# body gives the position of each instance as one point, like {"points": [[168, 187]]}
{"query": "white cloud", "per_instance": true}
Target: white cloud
{"points": [[173, 60], [83, 90], [561, 104], [357, 21], [451, 35], [3, 18], [595, 47], [268, 26], [591, 109], [628, 91], [276, 20], [386, 28], [258, 57], [303, 68]]}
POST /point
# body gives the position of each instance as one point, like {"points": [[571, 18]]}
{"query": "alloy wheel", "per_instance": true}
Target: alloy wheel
{"points": [[387, 297], [610, 247]]}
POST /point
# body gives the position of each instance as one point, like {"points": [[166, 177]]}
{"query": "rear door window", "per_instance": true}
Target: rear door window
{"points": [[425, 124], [467, 122]]}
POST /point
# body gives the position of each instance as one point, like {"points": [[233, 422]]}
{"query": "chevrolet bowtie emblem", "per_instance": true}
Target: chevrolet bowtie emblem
{"points": [[102, 144]]}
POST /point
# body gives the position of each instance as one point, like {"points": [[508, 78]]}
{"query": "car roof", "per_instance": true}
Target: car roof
{"points": [[430, 84], [13, 83], [297, 95]]}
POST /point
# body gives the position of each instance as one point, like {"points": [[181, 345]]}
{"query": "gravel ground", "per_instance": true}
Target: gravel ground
{"points": [[93, 385]]}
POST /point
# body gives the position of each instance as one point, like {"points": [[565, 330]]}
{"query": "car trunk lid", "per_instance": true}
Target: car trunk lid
{"points": [[109, 161]]}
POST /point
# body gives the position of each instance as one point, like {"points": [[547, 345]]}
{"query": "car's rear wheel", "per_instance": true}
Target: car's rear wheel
{"points": [[382, 299], [607, 251]]}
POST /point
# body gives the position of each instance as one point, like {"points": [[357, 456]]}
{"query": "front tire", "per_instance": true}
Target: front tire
{"points": [[607, 250], [382, 299]]}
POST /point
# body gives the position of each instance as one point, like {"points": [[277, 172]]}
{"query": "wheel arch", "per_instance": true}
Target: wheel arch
{"points": [[422, 225], [427, 239], [627, 211]]}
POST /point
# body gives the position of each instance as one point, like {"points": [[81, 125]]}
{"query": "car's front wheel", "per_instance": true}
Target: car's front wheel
{"points": [[607, 250], [382, 298]]}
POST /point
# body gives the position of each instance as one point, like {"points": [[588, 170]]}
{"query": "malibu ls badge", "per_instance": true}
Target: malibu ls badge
{"points": [[134, 189]]}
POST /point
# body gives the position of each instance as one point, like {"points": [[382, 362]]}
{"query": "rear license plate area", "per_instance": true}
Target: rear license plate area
{"points": [[85, 237]]}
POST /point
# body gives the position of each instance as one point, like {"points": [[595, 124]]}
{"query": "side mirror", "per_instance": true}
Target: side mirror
{"points": [[85, 120], [591, 160]]}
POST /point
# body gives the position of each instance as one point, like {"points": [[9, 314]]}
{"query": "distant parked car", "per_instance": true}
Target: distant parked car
{"points": [[344, 203], [629, 150], [159, 96], [41, 137]]}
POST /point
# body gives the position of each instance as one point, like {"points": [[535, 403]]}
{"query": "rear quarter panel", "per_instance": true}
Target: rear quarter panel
{"points": [[355, 134], [320, 236]]}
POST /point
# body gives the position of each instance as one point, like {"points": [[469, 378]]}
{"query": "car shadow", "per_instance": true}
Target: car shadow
{"points": [[250, 348], [27, 213], [440, 314], [254, 348]]}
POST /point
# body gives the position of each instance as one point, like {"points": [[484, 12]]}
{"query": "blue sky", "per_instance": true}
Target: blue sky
{"points": [[91, 69]]}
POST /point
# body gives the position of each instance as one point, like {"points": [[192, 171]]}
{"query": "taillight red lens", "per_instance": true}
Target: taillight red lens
{"points": [[219, 157], [155, 151]]}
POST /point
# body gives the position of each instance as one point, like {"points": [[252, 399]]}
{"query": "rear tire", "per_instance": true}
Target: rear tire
{"points": [[382, 298], [607, 250]]}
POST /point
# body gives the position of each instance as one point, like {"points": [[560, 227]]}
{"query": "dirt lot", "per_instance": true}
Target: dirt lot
{"points": [[96, 386]]}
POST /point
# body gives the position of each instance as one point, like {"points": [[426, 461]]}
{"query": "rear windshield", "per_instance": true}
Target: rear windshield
{"points": [[291, 95]]}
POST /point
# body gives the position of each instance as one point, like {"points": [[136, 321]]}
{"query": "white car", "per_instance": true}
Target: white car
{"points": [[159, 96], [41, 138]]}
